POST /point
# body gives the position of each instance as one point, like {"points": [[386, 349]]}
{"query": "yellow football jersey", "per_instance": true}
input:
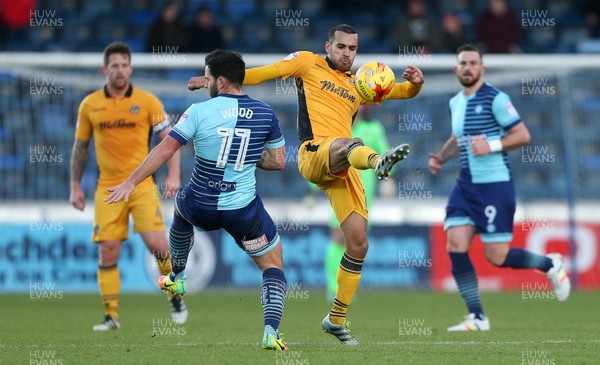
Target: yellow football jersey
{"points": [[121, 128], [327, 99]]}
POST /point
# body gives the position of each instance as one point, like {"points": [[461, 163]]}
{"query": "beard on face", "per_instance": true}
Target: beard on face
{"points": [[119, 83], [213, 90], [465, 83]]}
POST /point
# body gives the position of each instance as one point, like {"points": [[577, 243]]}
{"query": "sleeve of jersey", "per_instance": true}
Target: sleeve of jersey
{"points": [[185, 129], [291, 66], [275, 138], [258, 75], [157, 117], [404, 90], [83, 129], [505, 113]]}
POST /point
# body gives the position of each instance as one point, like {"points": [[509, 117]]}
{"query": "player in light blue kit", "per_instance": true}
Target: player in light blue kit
{"points": [[485, 125], [232, 135]]}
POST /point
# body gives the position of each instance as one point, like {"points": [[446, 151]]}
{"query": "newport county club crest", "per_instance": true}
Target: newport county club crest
{"points": [[479, 109], [134, 109]]}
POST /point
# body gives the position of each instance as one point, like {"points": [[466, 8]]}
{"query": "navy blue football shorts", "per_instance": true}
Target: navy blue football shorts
{"points": [[251, 227], [490, 207]]}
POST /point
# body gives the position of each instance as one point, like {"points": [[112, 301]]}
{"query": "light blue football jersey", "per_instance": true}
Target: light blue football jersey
{"points": [[488, 113], [229, 133]]}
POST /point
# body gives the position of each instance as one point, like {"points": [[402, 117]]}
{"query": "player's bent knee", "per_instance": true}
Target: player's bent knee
{"points": [[356, 248], [495, 258], [270, 259], [453, 246], [494, 261]]}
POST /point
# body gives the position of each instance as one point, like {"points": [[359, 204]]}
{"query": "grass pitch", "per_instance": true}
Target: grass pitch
{"points": [[393, 327]]}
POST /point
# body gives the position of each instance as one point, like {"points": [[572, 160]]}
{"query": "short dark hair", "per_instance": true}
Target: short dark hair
{"points": [[228, 64], [469, 47], [116, 47], [342, 28]]}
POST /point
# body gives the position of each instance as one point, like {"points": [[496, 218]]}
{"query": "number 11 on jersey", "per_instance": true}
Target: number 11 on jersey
{"points": [[228, 135]]}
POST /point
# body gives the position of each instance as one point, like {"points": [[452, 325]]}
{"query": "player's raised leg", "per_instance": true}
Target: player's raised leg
{"points": [[109, 282], [501, 255], [346, 152], [459, 241], [389, 159]]}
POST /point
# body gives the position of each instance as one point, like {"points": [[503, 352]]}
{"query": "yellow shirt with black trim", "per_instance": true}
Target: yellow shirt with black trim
{"points": [[327, 99], [122, 129]]}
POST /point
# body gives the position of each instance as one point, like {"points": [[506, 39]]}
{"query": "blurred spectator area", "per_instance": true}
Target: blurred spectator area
{"points": [[282, 26], [37, 129]]}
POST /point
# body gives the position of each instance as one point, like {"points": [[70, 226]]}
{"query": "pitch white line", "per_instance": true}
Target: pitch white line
{"points": [[387, 343]]}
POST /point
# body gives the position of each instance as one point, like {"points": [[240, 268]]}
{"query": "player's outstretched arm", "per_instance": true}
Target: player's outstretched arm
{"points": [[272, 159], [78, 161], [254, 76], [155, 159], [173, 180], [258, 75], [410, 89], [449, 151]]}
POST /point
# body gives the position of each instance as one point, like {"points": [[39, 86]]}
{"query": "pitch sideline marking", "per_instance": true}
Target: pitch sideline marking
{"points": [[319, 343]]}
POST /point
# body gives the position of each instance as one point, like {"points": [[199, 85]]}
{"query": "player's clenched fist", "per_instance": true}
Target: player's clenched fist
{"points": [[196, 82], [435, 163]]}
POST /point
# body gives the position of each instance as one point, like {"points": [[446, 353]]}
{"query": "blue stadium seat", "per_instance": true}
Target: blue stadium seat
{"points": [[142, 17], [256, 35], [194, 5], [590, 163], [94, 9], [136, 44], [239, 9], [12, 162], [54, 123], [590, 104]]}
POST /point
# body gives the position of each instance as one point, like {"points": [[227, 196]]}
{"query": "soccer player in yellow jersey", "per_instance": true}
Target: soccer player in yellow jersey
{"points": [[121, 118], [328, 156]]}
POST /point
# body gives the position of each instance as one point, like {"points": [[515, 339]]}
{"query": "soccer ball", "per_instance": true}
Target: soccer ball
{"points": [[374, 80]]}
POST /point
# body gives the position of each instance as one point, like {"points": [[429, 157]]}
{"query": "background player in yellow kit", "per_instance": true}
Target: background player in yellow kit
{"points": [[328, 156], [121, 119]]}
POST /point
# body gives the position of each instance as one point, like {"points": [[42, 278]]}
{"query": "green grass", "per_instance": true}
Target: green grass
{"points": [[225, 328]]}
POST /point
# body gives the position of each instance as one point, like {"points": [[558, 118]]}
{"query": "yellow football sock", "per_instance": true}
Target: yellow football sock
{"points": [[362, 157], [109, 282], [348, 278], [165, 268]]}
